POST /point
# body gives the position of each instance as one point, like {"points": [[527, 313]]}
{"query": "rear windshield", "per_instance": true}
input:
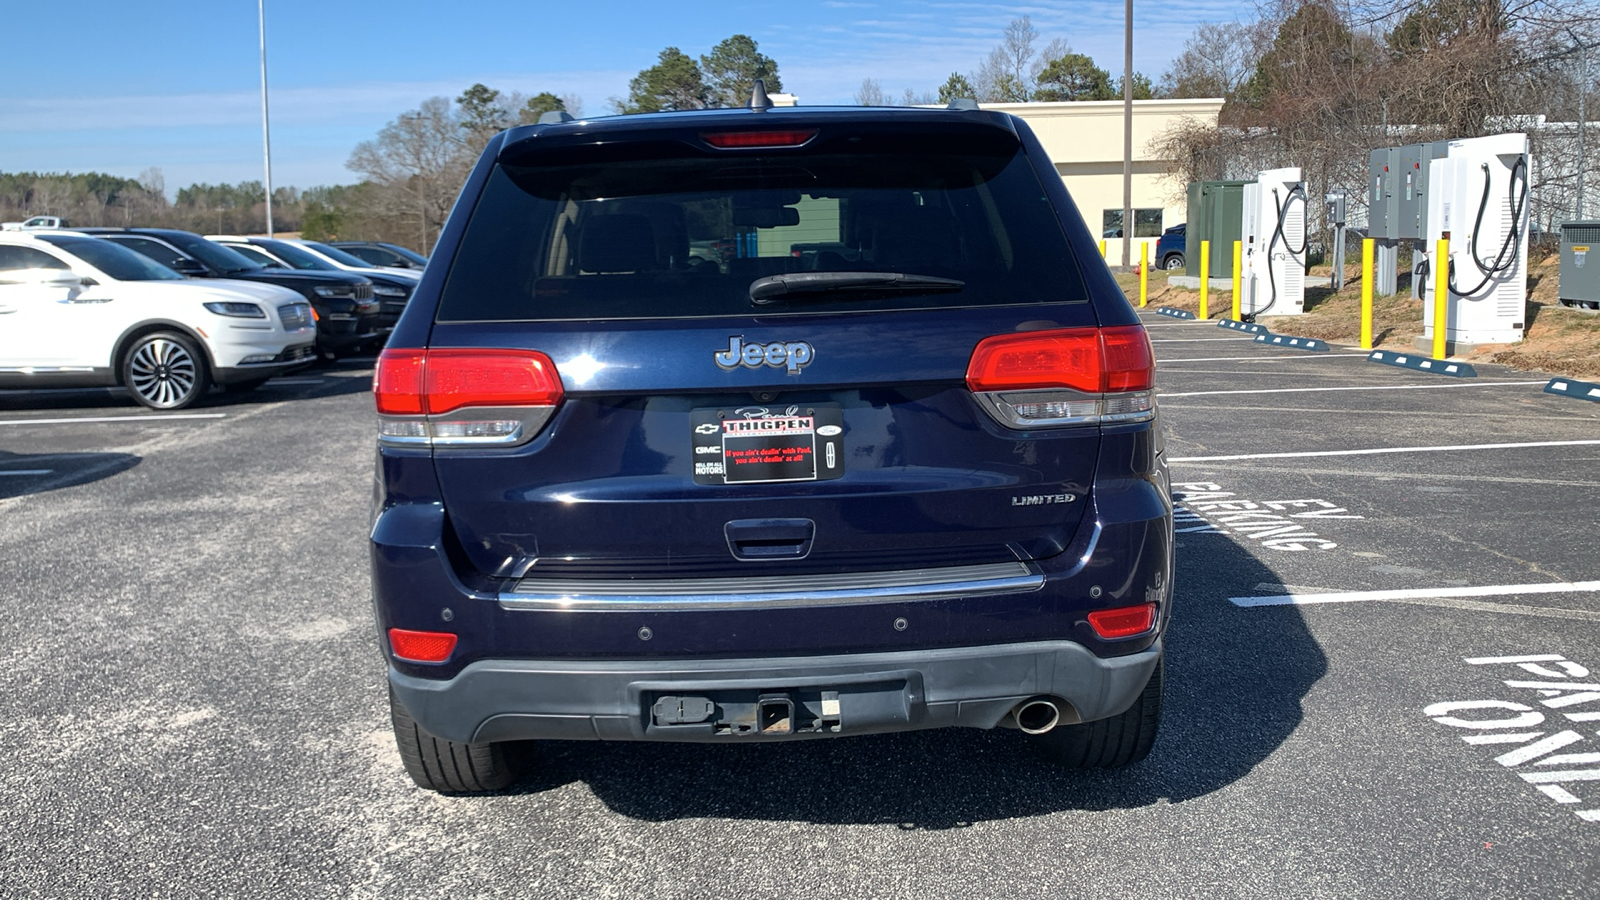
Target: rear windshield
{"points": [[686, 236]]}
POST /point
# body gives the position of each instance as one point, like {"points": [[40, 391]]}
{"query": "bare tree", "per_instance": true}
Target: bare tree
{"points": [[1216, 61], [418, 163], [871, 93], [1008, 71]]}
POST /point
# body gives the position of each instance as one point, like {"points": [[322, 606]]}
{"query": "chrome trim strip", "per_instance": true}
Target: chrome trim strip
{"points": [[771, 592]]}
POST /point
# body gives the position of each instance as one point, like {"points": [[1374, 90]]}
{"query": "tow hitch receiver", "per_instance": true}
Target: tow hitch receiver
{"points": [[748, 713], [775, 714]]}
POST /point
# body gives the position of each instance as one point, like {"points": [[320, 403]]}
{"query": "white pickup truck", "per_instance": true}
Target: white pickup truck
{"points": [[36, 222]]}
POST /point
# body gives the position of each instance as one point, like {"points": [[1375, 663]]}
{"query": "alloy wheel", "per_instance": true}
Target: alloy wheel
{"points": [[163, 373]]}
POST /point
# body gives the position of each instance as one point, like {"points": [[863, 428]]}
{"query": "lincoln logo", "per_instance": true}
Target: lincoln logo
{"points": [[792, 355]]}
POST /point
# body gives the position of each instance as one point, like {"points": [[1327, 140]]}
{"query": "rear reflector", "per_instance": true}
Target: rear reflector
{"points": [[421, 646], [1123, 622], [741, 140]]}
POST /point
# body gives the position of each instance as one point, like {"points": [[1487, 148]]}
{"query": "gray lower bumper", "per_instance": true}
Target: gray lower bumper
{"points": [[504, 700]]}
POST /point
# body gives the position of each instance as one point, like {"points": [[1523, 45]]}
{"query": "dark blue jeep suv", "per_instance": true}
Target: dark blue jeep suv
{"points": [[647, 472]]}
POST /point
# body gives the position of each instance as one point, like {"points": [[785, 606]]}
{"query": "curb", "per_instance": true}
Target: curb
{"points": [[1579, 390], [1174, 312], [1423, 364], [1283, 340], [1251, 327]]}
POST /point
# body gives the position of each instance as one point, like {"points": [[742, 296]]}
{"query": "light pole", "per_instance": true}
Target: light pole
{"points": [[1127, 134], [1583, 118], [266, 129]]}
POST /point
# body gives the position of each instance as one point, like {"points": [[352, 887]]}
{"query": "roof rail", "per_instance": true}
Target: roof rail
{"points": [[555, 117], [962, 103], [758, 95]]}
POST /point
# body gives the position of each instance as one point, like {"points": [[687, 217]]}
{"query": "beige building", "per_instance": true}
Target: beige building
{"points": [[1084, 141]]}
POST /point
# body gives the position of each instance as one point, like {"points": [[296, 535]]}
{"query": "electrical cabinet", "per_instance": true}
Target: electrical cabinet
{"points": [[1380, 193], [1216, 209], [1409, 183], [1477, 196], [1397, 189], [1580, 264], [1273, 231]]}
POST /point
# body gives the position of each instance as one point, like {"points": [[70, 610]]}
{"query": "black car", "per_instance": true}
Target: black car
{"points": [[380, 254], [347, 312], [1171, 246], [392, 291], [906, 474]]}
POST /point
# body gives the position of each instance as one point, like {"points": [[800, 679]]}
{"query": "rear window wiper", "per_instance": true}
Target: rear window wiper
{"points": [[764, 291]]}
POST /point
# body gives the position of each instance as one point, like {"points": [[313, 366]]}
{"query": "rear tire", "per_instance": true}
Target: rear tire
{"points": [[1172, 263], [449, 767], [1118, 741]]}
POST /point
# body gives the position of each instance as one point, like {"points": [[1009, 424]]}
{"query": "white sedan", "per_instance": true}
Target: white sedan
{"points": [[76, 311]]}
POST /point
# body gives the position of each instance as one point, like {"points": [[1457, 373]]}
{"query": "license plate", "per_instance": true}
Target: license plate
{"points": [[760, 444]]}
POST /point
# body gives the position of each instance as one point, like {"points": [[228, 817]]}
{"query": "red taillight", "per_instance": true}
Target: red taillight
{"points": [[397, 382], [1069, 358], [1091, 360], [1122, 622], [431, 382], [456, 378], [741, 140], [1129, 363], [421, 646]]}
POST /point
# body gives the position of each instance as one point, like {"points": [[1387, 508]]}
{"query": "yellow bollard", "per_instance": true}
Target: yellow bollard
{"points": [[1441, 294], [1205, 279], [1238, 264], [1144, 274], [1366, 294], [1102, 248]]}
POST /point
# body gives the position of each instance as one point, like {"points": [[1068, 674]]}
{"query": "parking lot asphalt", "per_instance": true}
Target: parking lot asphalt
{"points": [[1382, 675]]}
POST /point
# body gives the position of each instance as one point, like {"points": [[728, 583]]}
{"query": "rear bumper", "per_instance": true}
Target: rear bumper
{"points": [[865, 693]]}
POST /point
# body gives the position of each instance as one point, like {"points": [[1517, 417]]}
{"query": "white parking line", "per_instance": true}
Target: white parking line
{"points": [[26, 471], [1257, 358], [321, 380], [1566, 587], [156, 418], [1386, 387], [1377, 450]]}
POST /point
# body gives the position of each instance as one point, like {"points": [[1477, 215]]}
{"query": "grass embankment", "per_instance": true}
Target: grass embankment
{"points": [[1557, 340]]}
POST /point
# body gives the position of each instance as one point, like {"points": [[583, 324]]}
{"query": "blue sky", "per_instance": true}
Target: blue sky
{"points": [[112, 86]]}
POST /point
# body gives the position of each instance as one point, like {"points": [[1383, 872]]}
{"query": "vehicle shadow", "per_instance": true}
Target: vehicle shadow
{"points": [[1235, 679], [331, 383], [30, 473]]}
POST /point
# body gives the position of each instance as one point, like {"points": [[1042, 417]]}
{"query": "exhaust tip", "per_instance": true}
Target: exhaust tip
{"points": [[1037, 716]]}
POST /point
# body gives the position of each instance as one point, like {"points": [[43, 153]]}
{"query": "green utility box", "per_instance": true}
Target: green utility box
{"points": [[1580, 264], [1216, 214]]}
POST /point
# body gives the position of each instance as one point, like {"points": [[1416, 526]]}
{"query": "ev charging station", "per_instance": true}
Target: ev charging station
{"points": [[1478, 198], [1273, 233]]}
